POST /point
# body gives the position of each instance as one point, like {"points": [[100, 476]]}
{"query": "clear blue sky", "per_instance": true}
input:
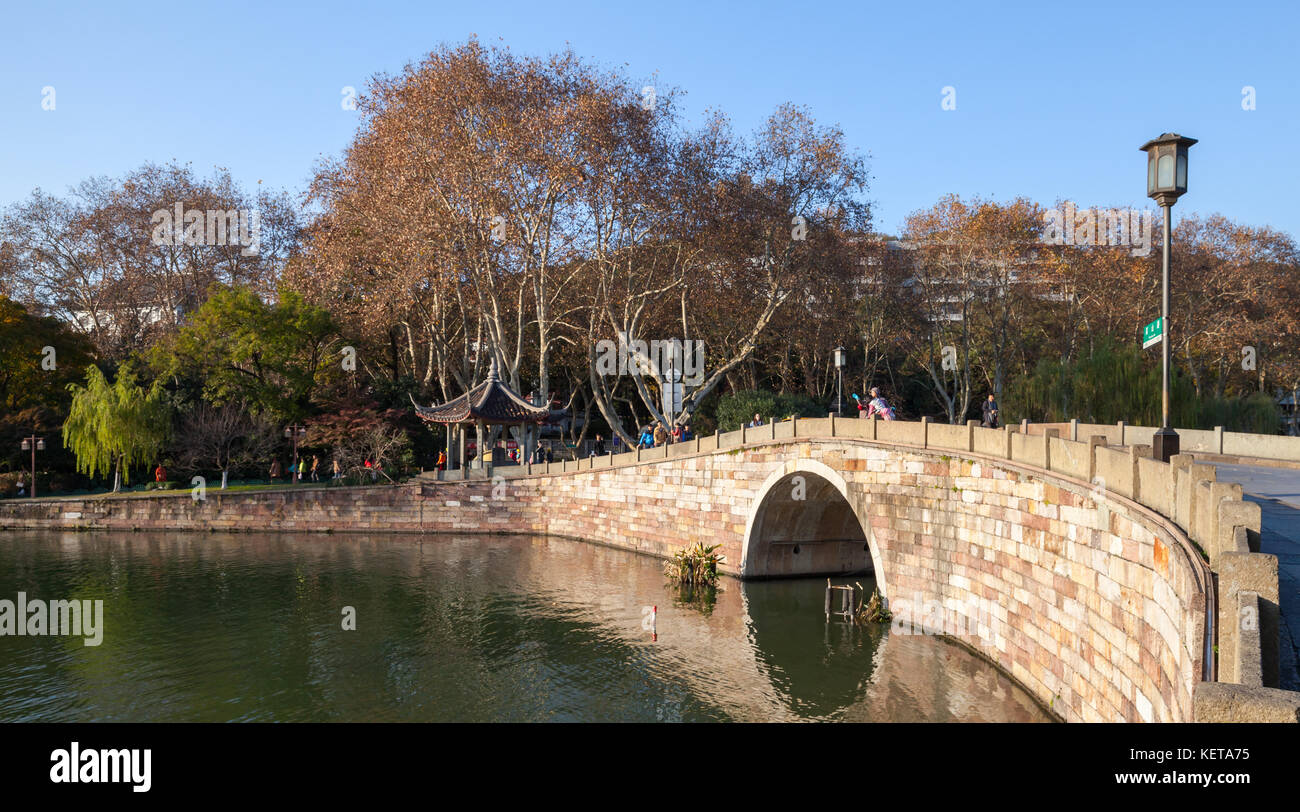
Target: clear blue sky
{"points": [[1053, 99]]}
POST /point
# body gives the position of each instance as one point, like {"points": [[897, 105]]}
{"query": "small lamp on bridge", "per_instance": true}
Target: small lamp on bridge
{"points": [[1166, 182], [840, 360]]}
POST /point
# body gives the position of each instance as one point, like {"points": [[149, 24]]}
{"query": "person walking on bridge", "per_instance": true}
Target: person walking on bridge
{"points": [[879, 406], [990, 409]]}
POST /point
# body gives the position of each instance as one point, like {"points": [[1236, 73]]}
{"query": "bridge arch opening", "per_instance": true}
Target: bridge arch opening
{"points": [[805, 522]]}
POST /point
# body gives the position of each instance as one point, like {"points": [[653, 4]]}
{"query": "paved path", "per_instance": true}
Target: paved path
{"points": [[1277, 491]]}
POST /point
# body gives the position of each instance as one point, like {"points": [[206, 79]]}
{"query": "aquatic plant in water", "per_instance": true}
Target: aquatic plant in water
{"points": [[696, 565]]}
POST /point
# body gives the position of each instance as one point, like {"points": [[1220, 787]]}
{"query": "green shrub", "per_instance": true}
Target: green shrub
{"points": [[738, 408], [1121, 382]]}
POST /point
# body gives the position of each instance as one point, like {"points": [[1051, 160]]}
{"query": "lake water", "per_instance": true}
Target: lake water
{"points": [[213, 627]]}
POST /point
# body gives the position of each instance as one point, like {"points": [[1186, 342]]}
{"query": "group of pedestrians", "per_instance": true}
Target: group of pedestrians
{"points": [[878, 407], [660, 435], [301, 471], [541, 453]]}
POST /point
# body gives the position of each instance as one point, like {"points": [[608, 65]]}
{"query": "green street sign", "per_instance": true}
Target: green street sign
{"points": [[1153, 333]]}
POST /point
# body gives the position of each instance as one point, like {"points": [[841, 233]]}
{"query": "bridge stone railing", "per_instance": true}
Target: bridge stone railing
{"points": [[1205, 441]]}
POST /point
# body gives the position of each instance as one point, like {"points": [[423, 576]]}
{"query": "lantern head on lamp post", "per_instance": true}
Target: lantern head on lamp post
{"points": [[1167, 167], [1166, 182]]}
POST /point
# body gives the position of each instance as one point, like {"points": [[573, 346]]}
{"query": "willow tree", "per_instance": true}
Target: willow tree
{"points": [[114, 426]]}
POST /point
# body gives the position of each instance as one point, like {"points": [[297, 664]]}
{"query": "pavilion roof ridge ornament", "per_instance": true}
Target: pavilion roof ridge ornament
{"points": [[492, 401]]}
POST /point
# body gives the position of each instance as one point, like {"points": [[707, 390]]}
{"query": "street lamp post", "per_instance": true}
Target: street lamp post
{"points": [[839, 383], [295, 431], [33, 444], [1166, 182], [672, 394]]}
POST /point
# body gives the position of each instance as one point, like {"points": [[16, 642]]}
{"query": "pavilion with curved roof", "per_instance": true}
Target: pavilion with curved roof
{"points": [[491, 403]]}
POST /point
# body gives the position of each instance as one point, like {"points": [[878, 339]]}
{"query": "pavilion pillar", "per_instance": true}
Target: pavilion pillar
{"points": [[460, 447], [450, 429], [479, 444]]}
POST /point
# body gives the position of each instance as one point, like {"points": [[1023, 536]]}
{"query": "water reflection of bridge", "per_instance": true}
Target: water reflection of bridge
{"points": [[766, 653]]}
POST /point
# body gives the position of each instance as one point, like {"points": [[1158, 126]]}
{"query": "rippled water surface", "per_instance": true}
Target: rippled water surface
{"points": [[475, 628]]}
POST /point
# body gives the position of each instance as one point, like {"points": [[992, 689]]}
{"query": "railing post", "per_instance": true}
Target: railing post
{"points": [[1074, 429], [970, 435], [1048, 434], [1218, 439], [1120, 425], [925, 432], [831, 415], [1134, 454], [1094, 441]]}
